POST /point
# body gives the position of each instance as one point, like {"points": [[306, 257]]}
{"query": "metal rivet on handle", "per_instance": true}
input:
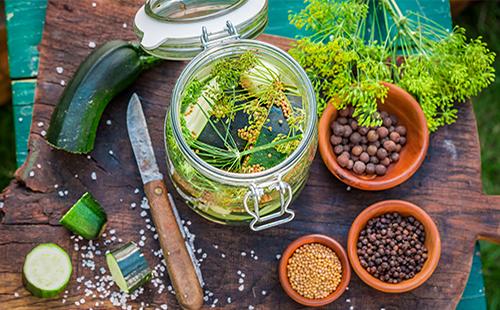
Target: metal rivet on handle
{"points": [[158, 191]]}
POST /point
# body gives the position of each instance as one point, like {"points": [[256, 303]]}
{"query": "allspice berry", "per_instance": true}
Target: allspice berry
{"points": [[390, 146], [344, 112], [371, 150], [395, 157], [394, 136], [350, 164], [338, 149], [354, 124], [402, 140], [372, 136], [363, 131], [386, 161], [335, 140], [343, 160], [370, 168], [355, 138], [342, 120], [347, 131], [338, 129], [380, 169], [359, 167], [364, 157], [387, 121], [401, 130], [357, 150], [381, 153], [382, 132]]}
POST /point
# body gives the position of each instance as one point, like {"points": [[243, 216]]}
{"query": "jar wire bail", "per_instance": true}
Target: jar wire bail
{"points": [[264, 222]]}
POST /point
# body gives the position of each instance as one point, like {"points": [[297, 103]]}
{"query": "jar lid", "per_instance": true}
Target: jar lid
{"points": [[180, 29]]}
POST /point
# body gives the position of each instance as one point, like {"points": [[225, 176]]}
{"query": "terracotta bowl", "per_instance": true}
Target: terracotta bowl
{"points": [[408, 111], [332, 244], [432, 243]]}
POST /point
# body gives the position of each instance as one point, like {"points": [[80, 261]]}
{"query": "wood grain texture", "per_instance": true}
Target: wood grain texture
{"points": [[447, 186]]}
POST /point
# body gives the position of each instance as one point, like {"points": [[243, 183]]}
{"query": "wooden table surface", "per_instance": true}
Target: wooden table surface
{"points": [[32, 205]]}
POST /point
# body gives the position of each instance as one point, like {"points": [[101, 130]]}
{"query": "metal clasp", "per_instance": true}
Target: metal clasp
{"points": [[263, 222], [207, 42]]}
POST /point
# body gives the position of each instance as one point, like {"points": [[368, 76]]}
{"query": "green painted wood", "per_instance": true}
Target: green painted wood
{"points": [[25, 19], [23, 95], [473, 297]]}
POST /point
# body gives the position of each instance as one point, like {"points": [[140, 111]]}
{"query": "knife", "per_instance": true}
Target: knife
{"points": [[182, 268]]}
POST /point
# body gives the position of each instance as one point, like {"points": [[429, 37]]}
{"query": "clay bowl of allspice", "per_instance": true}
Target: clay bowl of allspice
{"points": [[375, 158], [314, 270], [394, 246]]}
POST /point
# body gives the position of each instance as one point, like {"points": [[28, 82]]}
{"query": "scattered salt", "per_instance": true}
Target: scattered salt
{"points": [[59, 70], [16, 294], [32, 173], [93, 176], [124, 25], [43, 133], [108, 122], [241, 288], [40, 124], [63, 82], [92, 44]]}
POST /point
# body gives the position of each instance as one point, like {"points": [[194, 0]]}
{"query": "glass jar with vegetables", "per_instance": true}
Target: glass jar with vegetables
{"points": [[241, 129]]}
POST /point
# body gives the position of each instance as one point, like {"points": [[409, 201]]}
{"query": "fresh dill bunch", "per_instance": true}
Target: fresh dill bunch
{"points": [[345, 65]]}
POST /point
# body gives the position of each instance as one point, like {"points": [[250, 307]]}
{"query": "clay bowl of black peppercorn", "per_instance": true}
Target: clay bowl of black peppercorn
{"points": [[394, 246], [376, 158]]}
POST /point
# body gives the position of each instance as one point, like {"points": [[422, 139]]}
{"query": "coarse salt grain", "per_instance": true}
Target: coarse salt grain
{"points": [[40, 124], [20, 119], [32, 173], [278, 256], [263, 292], [110, 152], [92, 44], [229, 300], [241, 288], [108, 122], [63, 82], [93, 176], [133, 205], [43, 133], [59, 70], [16, 294], [94, 4], [39, 166], [136, 191], [124, 25]]}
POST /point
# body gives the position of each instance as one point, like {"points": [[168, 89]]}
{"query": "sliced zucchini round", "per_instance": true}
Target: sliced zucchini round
{"points": [[128, 267], [85, 218], [47, 270]]}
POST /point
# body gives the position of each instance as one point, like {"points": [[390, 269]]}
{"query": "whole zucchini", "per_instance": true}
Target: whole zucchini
{"points": [[102, 75]]}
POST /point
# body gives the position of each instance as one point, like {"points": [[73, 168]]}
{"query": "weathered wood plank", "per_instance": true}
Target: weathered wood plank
{"points": [[325, 206]]}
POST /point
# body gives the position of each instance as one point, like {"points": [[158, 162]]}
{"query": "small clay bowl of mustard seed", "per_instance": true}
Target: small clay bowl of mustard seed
{"points": [[375, 158], [394, 246], [314, 270]]}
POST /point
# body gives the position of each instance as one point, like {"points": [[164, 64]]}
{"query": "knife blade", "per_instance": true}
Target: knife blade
{"points": [[181, 265], [141, 141]]}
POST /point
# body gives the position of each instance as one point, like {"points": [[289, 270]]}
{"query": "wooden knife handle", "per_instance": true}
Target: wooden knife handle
{"points": [[180, 267]]}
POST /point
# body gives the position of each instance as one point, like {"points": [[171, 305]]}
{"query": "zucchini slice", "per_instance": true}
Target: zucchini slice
{"points": [[47, 270], [85, 218], [128, 267]]}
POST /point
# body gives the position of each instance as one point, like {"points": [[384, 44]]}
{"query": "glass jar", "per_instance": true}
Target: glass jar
{"points": [[263, 198]]}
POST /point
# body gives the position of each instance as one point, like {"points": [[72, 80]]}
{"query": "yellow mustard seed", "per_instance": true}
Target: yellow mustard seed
{"points": [[314, 271]]}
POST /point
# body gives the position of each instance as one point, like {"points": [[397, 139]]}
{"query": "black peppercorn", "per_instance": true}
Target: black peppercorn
{"points": [[335, 140]]}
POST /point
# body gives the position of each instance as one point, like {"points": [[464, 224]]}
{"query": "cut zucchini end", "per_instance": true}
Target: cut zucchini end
{"points": [[116, 273], [128, 267], [47, 270], [85, 218]]}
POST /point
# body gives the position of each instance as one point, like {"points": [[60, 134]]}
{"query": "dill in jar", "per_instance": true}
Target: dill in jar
{"points": [[244, 117]]}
